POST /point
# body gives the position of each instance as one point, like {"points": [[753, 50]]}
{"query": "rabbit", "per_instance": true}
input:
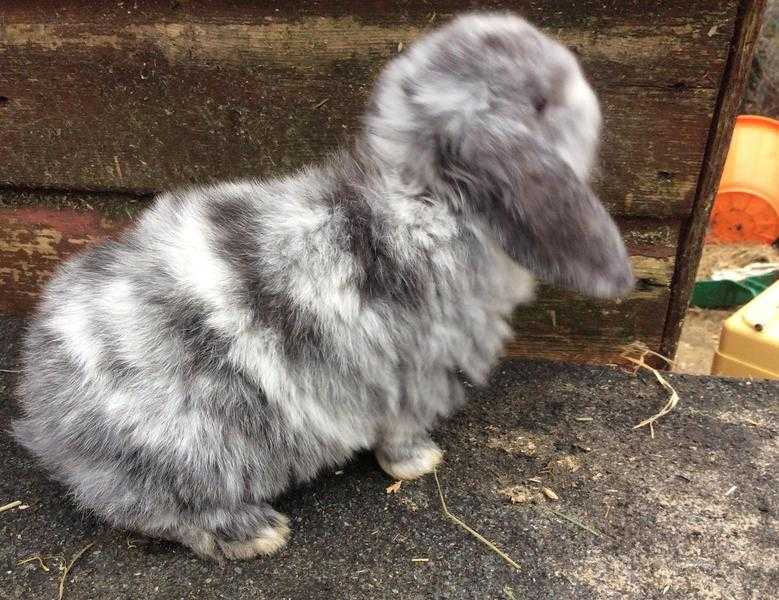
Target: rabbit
{"points": [[241, 338]]}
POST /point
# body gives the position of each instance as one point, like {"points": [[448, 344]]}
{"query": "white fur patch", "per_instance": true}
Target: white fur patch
{"points": [[579, 152], [425, 461], [269, 540], [197, 268], [72, 322]]}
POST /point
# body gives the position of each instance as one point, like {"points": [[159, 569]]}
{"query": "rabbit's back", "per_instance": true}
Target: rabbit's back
{"points": [[245, 335]]}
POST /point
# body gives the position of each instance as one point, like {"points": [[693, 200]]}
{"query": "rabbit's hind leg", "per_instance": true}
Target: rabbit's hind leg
{"points": [[238, 533], [265, 537]]}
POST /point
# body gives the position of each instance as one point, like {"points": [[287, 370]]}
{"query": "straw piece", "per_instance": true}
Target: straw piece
{"points": [[32, 558], [69, 566], [640, 363], [10, 505], [574, 521], [474, 533]]}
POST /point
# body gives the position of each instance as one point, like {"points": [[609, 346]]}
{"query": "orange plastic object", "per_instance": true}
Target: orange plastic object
{"points": [[747, 206]]}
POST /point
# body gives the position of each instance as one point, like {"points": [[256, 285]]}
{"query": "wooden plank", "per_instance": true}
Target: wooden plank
{"points": [[37, 233], [557, 13], [653, 144], [41, 230], [693, 234], [620, 47], [567, 326], [563, 327], [160, 97], [125, 100]]}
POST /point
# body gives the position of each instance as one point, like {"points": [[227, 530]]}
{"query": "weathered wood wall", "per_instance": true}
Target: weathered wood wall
{"points": [[102, 107]]}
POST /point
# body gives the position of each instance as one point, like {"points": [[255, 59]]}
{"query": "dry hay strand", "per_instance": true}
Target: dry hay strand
{"points": [[32, 558], [717, 257], [469, 529], [68, 567], [574, 521], [636, 353], [10, 505]]}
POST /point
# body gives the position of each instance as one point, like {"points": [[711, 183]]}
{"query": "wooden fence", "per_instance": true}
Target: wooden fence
{"points": [[102, 104]]}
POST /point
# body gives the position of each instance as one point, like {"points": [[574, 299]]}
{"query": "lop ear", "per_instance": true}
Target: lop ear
{"points": [[562, 232], [545, 216]]}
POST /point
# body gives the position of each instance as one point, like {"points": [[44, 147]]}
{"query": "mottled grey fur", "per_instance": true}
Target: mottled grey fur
{"points": [[242, 337]]}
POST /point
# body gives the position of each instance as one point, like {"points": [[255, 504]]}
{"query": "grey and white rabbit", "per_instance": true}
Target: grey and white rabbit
{"points": [[242, 337]]}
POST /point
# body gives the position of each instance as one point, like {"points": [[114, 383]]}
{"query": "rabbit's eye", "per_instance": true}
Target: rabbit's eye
{"points": [[540, 104]]}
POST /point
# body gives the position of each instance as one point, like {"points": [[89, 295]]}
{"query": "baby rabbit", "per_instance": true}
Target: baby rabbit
{"points": [[242, 337]]}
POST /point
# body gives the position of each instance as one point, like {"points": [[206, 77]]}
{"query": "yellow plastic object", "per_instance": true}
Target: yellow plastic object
{"points": [[749, 343]]}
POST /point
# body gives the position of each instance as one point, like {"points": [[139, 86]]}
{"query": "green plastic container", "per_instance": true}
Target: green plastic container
{"points": [[725, 293]]}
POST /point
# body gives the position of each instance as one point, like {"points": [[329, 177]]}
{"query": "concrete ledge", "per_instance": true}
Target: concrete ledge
{"points": [[640, 515]]}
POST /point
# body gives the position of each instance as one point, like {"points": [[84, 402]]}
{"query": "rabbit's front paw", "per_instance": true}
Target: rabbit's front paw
{"points": [[269, 540], [411, 461]]}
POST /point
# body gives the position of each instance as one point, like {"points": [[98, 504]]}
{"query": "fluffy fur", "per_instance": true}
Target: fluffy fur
{"points": [[242, 337]]}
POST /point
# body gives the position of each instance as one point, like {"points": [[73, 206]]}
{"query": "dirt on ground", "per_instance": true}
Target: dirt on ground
{"points": [[699, 340], [543, 462]]}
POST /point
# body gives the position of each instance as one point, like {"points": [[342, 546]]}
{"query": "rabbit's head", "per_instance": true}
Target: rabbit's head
{"points": [[498, 120]]}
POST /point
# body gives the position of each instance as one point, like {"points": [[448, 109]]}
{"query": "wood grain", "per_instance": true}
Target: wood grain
{"points": [[558, 13], [145, 101], [566, 326], [104, 104], [35, 236], [33, 241], [694, 228]]}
